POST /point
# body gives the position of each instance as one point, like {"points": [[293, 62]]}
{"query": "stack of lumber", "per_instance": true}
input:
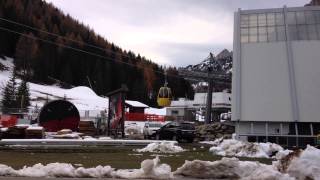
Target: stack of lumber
{"points": [[35, 132], [87, 128], [15, 132]]}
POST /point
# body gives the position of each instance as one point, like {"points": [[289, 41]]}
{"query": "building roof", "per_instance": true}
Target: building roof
{"points": [[136, 104]]}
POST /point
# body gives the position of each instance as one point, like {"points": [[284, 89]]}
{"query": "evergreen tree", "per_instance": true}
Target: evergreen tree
{"points": [[9, 94], [23, 95]]}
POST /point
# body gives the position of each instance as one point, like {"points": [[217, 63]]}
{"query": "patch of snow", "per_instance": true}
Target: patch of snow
{"points": [[6, 170], [229, 168], [135, 154], [35, 128], [61, 170], [22, 125], [89, 138], [160, 112], [307, 165], [4, 129], [282, 154], [97, 172], [150, 169], [232, 147], [49, 170], [162, 147], [208, 142], [133, 129], [136, 104], [105, 138]]}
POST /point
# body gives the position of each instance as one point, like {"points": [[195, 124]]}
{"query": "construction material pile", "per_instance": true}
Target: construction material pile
{"points": [[65, 134], [15, 132], [210, 132], [87, 128], [35, 132], [22, 131]]}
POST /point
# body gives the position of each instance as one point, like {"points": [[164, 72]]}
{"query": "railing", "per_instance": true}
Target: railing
{"points": [[144, 117]]}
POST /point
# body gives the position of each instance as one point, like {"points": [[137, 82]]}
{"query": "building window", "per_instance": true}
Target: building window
{"points": [[303, 25], [175, 112], [262, 27], [271, 27]]}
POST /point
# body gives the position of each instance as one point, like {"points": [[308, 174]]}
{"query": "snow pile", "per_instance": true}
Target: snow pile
{"points": [[296, 165], [97, 172], [232, 147], [131, 130], [6, 170], [282, 154], [35, 128], [57, 170], [105, 138], [150, 169], [307, 165], [162, 147], [229, 168]]}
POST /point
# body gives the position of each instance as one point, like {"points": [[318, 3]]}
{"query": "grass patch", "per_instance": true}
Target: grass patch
{"points": [[120, 157]]}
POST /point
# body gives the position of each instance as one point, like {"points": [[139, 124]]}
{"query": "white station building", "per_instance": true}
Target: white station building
{"points": [[185, 109], [276, 75]]}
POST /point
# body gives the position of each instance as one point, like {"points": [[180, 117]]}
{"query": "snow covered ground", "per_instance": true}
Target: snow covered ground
{"points": [[299, 166]]}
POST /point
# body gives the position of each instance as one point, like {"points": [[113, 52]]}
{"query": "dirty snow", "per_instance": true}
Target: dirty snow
{"points": [[304, 165], [282, 154], [150, 169], [35, 128], [133, 129], [162, 147], [307, 165], [229, 168], [232, 147], [63, 170]]}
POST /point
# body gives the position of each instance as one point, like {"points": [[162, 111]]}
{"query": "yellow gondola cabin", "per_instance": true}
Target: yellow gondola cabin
{"points": [[164, 96]]}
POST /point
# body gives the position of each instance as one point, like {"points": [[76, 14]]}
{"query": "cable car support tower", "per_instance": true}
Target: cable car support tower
{"points": [[209, 77]]}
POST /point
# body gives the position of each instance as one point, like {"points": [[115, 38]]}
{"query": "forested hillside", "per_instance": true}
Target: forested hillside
{"points": [[48, 46]]}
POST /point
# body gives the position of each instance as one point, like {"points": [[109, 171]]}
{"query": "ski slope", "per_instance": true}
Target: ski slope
{"points": [[82, 97]]}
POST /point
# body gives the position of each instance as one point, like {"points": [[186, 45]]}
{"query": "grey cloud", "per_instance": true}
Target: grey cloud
{"points": [[155, 14], [188, 53]]}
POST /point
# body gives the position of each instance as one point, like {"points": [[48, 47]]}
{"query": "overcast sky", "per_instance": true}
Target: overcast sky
{"points": [[172, 32]]}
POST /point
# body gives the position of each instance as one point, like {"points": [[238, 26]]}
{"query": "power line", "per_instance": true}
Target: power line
{"points": [[65, 38], [77, 49], [62, 37], [82, 51]]}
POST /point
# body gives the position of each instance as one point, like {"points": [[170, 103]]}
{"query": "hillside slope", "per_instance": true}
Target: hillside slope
{"points": [[51, 45]]}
